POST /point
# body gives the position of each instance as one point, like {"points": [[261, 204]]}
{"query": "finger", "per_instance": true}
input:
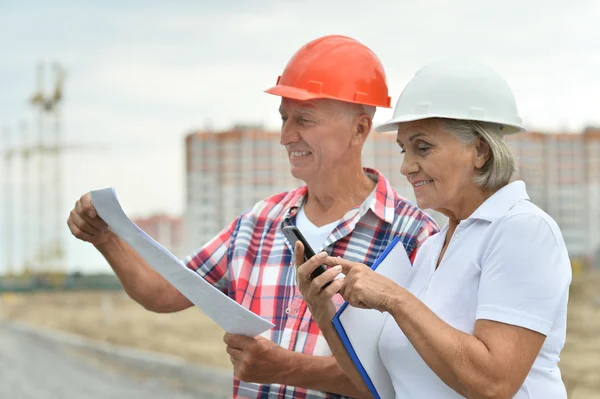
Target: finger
{"points": [[237, 341], [327, 276], [305, 269], [352, 296], [346, 290], [333, 288], [77, 232], [346, 264], [342, 290], [336, 260], [354, 267], [317, 288], [96, 222], [234, 354], [79, 209], [227, 337], [82, 224], [87, 206], [235, 362]]}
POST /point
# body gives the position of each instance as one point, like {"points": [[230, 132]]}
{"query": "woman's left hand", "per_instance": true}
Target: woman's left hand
{"points": [[364, 288]]}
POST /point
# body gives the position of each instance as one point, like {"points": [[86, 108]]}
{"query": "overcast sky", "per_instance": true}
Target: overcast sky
{"points": [[143, 74]]}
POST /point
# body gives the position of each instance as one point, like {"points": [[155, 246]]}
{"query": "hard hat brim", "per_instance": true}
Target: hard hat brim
{"points": [[392, 124], [303, 95], [293, 93]]}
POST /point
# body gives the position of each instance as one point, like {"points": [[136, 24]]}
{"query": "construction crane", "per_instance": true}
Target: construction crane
{"points": [[49, 151], [39, 212], [8, 218]]}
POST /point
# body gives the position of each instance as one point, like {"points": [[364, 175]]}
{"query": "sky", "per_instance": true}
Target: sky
{"points": [[142, 75]]}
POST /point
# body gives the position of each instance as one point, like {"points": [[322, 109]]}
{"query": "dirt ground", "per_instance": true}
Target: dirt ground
{"points": [[113, 317], [580, 358]]}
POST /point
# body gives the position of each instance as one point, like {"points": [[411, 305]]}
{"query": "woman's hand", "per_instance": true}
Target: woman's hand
{"points": [[364, 288], [318, 299]]}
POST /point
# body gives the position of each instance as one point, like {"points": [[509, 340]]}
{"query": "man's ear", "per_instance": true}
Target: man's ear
{"points": [[362, 129], [483, 153]]}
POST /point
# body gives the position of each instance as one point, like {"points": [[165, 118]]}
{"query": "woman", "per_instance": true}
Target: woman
{"points": [[483, 314]]}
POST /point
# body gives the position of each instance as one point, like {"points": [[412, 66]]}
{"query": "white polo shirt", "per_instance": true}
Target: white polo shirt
{"points": [[507, 262]]}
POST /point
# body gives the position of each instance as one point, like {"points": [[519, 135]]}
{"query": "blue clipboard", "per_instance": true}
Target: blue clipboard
{"points": [[344, 336]]}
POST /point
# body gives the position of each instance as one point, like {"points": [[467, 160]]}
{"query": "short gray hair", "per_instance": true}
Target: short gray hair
{"points": [[351, 110], [498, 170], [359, 109]]}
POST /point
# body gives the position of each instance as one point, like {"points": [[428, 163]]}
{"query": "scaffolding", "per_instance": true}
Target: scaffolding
{"points": [[33, 192]]}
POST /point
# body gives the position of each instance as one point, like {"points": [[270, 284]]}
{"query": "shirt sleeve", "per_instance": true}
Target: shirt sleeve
{"points": [[212, 260], [525, 273]]}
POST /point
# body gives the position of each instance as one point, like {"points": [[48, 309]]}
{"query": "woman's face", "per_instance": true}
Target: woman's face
{"points": [[439, 167]]}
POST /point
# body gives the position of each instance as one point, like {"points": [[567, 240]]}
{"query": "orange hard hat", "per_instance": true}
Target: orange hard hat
{"points": [[334, 67]]}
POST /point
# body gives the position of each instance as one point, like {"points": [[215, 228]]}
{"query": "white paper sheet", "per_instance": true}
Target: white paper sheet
{"points": [[363, 326], [224, 311]]}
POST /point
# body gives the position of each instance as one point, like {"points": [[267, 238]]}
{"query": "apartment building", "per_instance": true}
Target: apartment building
{"points": [[562, 173], [227, 172], [166, 230]]}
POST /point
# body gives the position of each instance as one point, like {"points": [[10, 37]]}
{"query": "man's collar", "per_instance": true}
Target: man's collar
{"points": [[381, 201]]}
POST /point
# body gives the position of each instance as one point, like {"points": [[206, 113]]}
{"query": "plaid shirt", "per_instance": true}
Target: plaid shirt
{"points": [[252, 262]]}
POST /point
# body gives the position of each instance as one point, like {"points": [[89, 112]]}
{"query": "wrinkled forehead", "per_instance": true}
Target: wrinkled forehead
{"points": [[430, 127], [322, 105], [430, 124]]}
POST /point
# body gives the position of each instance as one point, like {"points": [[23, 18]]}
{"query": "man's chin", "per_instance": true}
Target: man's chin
{"points": [[423, 204], [299, 173]]}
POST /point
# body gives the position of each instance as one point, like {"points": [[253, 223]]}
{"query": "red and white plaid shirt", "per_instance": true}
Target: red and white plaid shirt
{"points": [[252, 262]]}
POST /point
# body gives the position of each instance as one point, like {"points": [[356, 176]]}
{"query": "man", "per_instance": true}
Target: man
{"points": [[329, 91]]}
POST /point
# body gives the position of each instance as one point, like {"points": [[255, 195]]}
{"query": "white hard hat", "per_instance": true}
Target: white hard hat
{"points": [[457, 89]]}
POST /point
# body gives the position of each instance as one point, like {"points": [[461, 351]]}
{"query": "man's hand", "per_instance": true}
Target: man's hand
{"points": [[85, 224], [261, 361], [318, 299], [255, 359]]}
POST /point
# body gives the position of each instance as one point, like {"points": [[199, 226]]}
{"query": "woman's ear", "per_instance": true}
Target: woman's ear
{"points": [[484, 153]]}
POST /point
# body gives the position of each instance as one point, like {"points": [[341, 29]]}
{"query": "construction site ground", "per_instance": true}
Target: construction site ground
{"points": [[189, 335]]}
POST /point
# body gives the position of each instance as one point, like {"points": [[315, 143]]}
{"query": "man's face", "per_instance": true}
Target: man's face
{"points": [[317, 135]]}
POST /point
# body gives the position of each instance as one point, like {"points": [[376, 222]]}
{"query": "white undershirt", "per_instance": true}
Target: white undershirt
{"points": [[315, 236]]}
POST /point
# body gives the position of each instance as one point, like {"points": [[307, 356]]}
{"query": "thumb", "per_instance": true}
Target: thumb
{"points": [[299, 253], [88, 206]]}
